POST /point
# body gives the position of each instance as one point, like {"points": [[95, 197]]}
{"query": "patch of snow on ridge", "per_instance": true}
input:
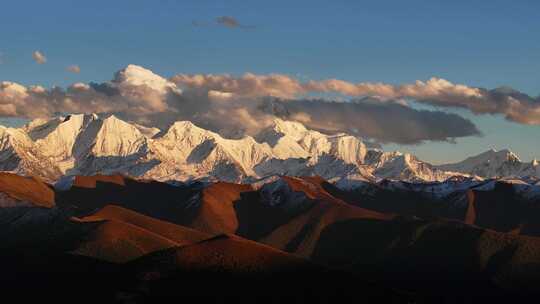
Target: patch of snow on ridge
{"points": [[279, 193], [350, 183], [264, 181], [64, 183]]}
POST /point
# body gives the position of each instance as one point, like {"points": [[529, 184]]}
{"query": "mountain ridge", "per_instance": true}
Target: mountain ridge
{"points": [[89, 144]]}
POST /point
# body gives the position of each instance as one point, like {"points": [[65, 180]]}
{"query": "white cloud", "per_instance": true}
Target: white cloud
{"points": [[515, 106], [131, 93], [74, 69], [248, 85], [228, 21], [39, 57], [237, 105]]}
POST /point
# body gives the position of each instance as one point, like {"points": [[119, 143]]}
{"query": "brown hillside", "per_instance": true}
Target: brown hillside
{"points": [[179, 234], [216, 213], [121, 235], [30, 189]]}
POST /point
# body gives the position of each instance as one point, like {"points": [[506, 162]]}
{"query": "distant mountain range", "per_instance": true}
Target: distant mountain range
{"points": [[88, 144]]}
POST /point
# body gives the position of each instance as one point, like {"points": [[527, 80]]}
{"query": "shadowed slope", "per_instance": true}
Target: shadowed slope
{"points": [[503, 210], [155, 199], [400, 201], [82, 181], [231, 266], [301, 233], [496, 205], [433, 257], [226, 253]]}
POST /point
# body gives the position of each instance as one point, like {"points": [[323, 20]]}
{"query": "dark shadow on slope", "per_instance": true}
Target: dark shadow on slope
{"points": [[256, 219], [201, 152], [409, 203], [39, 131], [230, 266], [155, 199], [37, 229], [426, 257], [59, 277], [114, 165], [502, 209]]}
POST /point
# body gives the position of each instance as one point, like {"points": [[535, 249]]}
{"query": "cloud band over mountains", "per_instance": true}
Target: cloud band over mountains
{"points": [[514, 105], [385, 122], [241, 105]]}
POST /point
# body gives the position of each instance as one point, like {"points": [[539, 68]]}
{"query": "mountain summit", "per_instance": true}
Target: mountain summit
{"points": [[493, 163]]}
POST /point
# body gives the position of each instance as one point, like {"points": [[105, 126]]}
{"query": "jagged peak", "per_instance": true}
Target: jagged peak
{"points": [[186, 125], [504, 153], [493, 154], [183, 124], [81, 119], [491, 163], [292, 129], [185, 129], [57, 120], [117, 125], [112, 118], [288, 126]]}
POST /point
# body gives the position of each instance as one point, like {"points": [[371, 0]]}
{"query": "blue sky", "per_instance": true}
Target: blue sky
{"points": [[477, 43]]}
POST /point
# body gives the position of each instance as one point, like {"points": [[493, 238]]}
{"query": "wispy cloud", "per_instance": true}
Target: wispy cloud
{"points": [[39, 57], [231, 22], [227, 21], [74, 69]]}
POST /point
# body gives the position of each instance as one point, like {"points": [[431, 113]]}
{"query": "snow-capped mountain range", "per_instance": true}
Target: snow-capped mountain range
{"points": [[87, 144]]}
